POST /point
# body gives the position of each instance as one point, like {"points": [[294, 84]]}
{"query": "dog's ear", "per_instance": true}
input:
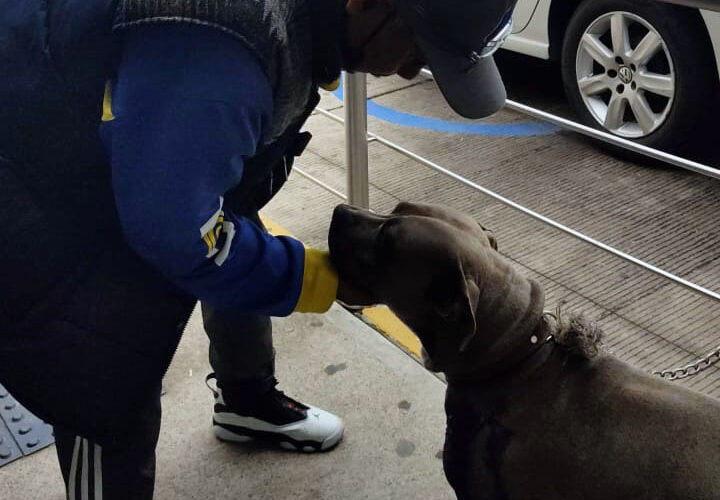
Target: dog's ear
{"points": [[490, 236], [455, 299]]}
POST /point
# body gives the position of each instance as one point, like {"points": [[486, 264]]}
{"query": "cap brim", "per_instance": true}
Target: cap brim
{"points": [[472, 90]]}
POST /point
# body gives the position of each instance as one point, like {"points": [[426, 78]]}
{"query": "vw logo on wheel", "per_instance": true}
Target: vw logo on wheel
{"points": [[627, 85], [626, 74]]}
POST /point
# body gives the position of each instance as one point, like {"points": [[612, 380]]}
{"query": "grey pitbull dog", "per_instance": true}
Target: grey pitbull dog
{"points": [[535, 411]]}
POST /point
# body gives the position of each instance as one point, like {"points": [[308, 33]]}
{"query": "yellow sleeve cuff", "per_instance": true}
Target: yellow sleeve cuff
{"points": [[331, 86], [320, 283]]}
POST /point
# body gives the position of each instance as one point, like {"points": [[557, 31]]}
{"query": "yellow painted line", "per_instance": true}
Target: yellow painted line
{"points": [[380, 317], [389, 324]]}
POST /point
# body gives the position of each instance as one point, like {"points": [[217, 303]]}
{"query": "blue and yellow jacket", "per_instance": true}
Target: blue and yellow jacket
{"points": [[107, 239], [188, 107]]}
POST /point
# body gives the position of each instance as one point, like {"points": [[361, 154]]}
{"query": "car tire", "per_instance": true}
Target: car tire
{"points": [[660, 100]]}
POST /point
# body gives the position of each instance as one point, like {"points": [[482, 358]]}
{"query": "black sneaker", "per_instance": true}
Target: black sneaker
{"points": [[275, 417]]}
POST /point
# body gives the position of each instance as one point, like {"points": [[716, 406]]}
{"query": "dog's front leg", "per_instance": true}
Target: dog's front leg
{"points": [[473, 458]]}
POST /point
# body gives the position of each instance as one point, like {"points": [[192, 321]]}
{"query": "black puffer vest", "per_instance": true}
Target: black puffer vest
{"points": [[296, 41], [87, 329]]}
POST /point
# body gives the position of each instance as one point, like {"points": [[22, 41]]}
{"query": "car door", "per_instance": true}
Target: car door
{"points": [[522, 14]]}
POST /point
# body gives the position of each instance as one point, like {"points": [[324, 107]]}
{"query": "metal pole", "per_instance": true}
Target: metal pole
{"points": [[320, 183], [356, 148], [617, 141], [636, 147], [467, 182], [602, 246]]}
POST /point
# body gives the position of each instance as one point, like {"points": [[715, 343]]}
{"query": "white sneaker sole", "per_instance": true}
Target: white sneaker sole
{"points": [[330, 442], [226, 435]]}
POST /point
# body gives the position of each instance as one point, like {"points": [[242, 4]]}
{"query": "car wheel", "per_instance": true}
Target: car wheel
{"points": [[643, 71]]}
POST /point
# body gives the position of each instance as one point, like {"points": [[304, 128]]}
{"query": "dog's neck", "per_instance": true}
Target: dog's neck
{"points": [[527, 352]]}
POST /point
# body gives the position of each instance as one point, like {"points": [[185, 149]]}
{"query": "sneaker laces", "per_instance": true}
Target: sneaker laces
{"points": [[286, 400]]}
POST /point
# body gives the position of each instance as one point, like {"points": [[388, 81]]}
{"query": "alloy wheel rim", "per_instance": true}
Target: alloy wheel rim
{"points": [[625, 74]]}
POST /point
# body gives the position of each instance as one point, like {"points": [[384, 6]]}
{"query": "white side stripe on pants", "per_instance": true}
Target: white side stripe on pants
{"points": [[73, 470], [97, 473], [84, 483], [83, 445]]}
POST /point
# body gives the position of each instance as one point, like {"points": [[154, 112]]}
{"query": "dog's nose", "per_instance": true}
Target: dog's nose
{"points": [[342, 221], [347, 214], [342, 213]]}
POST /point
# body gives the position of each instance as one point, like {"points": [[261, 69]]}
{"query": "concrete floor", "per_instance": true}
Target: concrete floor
{"points": [[392, 408]]}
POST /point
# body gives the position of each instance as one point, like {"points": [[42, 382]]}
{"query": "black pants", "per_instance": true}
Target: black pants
{"points": [[85, 330], [241, 354], [112, 471]]}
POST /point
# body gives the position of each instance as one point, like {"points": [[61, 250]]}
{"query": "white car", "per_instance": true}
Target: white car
{"points": [[640, 69]]}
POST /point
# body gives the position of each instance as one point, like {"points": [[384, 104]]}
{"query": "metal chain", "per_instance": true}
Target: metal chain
{"points": [[691, 369], [686, 371]]}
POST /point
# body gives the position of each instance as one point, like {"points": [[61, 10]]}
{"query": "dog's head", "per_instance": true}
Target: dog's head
{"points": [[440, 272]]}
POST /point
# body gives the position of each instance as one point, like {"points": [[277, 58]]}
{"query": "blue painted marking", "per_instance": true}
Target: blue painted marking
{"points": [[409, 120]]}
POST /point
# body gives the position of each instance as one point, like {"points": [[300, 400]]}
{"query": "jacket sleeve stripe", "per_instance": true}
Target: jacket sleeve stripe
{"points": [[107, 114]]}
